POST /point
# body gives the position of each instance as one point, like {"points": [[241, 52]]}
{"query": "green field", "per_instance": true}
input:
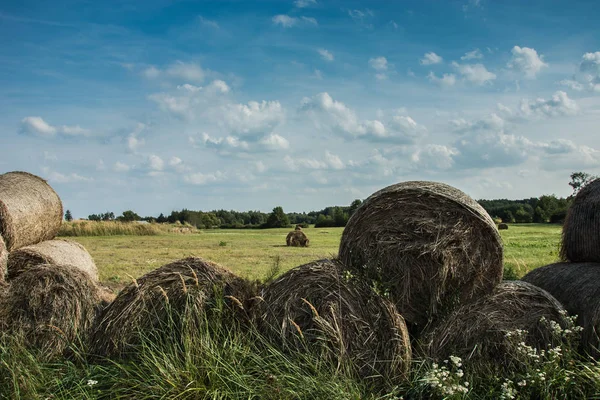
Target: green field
{"points": [[250, 253]]}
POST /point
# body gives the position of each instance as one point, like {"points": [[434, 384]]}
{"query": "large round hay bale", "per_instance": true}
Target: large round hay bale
{"points": [[581, 230], [154, 307], [319, 306], [3, 259], [502, 226], [66, 253], [297, 238], [30, 210], [577, 287], [477, 331], [51, 306], [428, 244]]}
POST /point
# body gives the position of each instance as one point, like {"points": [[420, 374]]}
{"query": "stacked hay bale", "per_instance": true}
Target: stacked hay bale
{"points": [[482, 331], [428, 245], [317, 307], [297, 238], [161, 305]]}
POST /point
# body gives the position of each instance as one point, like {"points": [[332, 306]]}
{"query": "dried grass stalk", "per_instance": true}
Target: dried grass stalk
{"points": [[581, 230], [161, 300], [297, 238], [315, 305], [61, 252], [30, 210], [3, 259], [477, 331], [427, 244], [576, 286], [51, 306]]}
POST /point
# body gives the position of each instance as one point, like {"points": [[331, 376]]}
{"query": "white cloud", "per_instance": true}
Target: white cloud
{"points": [[274, 142], [199, 178], [121, 167], [474, 73], [38, 127], [287, 22], [57, 177], [588, 74], [100, 166], [190, 72], [208, 23], [472, 55], [559, 105], [133, 141], [155, 163], [310, 20], [151, 72], [327, 56], [471, 4], [446, 80], [527, 61], [379, 63], [572, 84], [305, 3], [219, 86], [381, 77], [434, 157], [260, 167], [331, 162], [189, 88], [560, 146], [225, 144], [318, 74], [431, 58], [175, 161], [254, 119], [490, 123]]}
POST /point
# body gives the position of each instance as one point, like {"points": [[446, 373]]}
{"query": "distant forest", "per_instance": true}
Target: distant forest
{"points": [[543, 209]]}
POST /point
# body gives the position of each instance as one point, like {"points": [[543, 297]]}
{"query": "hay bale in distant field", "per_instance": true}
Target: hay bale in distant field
{"points": [[30, 210], [316, 305], [577, 287], [581, 230], [477, 331], [3, 259], [66, 253], [154, 307], [502, 226], [52, 306], [429, 244], [298, 228], [297, 238]]}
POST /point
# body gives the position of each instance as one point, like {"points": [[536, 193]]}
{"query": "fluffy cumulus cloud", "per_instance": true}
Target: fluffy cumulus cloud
{"points": [[527, 61], [155, 163], [434, 157], [558, 105], [121, 167], [431, 58], [447, 80], [133, 140], [335, 116], [286, 21], [474, 73], [326, 55], [588, 74], [36, 126], [472, 55], [190, 101], [379, 63], [199, 178], [330, 162], [305, 3], [179, 70], [254, 119], [232, 146]]}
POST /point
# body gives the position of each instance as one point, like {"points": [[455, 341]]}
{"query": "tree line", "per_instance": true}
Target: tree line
{"points": [[543, 209]]}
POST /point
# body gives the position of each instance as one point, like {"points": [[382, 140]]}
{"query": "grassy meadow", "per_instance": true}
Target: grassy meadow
{"points": [[250, 253]]}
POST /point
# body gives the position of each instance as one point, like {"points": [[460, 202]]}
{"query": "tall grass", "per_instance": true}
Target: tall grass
{"points": [[115, 228]]}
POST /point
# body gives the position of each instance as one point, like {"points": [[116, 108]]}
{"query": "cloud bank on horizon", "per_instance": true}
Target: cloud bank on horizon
{"points": [[165, 105]]}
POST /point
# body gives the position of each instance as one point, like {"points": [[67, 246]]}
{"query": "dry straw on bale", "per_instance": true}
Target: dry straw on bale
{"points": [[297, 238], [317, 305], [3, 259], [581, 230], [428, 244], [157, 305], [59, 252], [577, 287], [30, 210], [51, 306], [477, 331]]}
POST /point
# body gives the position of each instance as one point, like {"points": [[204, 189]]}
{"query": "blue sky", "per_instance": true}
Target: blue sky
{"points": [[161, 105]]}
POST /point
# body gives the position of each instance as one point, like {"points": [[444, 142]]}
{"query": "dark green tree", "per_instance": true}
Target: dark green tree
{"points": [[68, 216], [129, 216], [161, 219], [579, 180], [353, 206], [277, 219]]}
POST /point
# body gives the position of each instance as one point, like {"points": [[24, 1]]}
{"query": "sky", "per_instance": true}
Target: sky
{"points": [[160, 105]]}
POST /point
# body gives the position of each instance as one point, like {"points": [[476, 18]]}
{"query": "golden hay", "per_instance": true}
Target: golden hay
{"points": [[576, 286], [428, 244], [3, 259], [51, 306], [61, 252], [156, 306], [30, 210], [315, 305], [297, 238], [581, 230], [477, 331]]}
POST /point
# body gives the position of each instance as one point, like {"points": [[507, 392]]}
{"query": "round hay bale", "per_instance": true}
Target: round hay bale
{"points": [[3, 259], [502, 226], [576, 286], [316, 305], [477, 331], [52, 306], [298, 228], [66, 253], [297, 238], [581, 230], [30, 210], [427, 244], [155, 306]]}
